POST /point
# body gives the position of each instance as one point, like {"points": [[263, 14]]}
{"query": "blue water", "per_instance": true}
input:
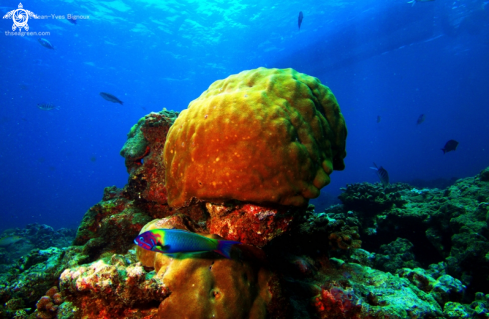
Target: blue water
{"points": [[381, 58]]}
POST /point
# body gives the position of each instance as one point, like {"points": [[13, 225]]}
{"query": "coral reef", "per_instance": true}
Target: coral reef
{"points": [[33, 236], [186, 285], [47, 306], [294, 262], [248, 223], [443, 225], [344, 290], [110, 225], [365, 197], [146, 140], [443, 289], [396, 255], [293, 123], [33, 275], [112, 287]]}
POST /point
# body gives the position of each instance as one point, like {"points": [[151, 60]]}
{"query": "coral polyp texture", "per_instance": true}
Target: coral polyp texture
{"points": [[262, 136]]}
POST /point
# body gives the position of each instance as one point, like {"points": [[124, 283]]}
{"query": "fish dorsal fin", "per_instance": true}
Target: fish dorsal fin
{"points": [[177, 231]]}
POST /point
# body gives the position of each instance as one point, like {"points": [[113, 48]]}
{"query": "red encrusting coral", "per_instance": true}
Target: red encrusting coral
{"points": [[337, 302], [250, 224]]}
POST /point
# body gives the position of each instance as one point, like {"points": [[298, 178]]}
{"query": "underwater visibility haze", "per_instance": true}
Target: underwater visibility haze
{"points": [[387, 62], [105, 133]]}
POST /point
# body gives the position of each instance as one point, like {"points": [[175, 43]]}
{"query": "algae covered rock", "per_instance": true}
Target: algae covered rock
{"points": [[111, 287], [142, 152], [372, 198], [354, 291], [36, 272], [396, 255], [110, 225]]}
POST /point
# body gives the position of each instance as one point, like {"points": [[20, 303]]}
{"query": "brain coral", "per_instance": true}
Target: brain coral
{"points": [[263, 136]]}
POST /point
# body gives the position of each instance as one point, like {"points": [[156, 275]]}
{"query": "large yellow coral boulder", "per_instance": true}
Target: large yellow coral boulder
{"points": [[262, 136]]}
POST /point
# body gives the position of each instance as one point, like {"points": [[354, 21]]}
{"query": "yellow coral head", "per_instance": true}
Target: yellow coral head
{"points": [[262, 136]]}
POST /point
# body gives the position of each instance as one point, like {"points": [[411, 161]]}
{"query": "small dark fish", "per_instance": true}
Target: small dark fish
{"points": [[301, 17], [378, 119], [451, 145], [414, 1], [382, 174], [72, 20], [45, 43], [421, 119], [47, 106], [110, 98]]}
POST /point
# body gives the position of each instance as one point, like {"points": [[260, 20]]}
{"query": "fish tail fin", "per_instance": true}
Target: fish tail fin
{"points": [[443, 150], [224, 247]]}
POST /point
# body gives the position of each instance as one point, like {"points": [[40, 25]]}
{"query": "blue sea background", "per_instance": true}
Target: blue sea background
{"points": [[382, 58]]}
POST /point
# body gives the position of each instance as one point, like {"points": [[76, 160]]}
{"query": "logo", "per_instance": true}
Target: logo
{"points": [[20, 18]]}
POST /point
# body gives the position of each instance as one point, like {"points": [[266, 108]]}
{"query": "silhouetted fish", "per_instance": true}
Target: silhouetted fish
{"points": [[10, 240], [382, 174], [72, 20], [47, 106], [378, 118], [421, 119], [301, 17], [45, 43], [451, 145], [110, 97]]}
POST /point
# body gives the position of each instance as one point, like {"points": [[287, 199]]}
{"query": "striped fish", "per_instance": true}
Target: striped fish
{"points": [[382, 174]]}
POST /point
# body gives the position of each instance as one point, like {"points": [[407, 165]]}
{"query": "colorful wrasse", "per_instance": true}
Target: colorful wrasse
{"points": [[169, 241]]}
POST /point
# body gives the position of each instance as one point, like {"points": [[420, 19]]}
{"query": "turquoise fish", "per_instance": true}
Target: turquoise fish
{"points": [[170, 241], [10, 240]]}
